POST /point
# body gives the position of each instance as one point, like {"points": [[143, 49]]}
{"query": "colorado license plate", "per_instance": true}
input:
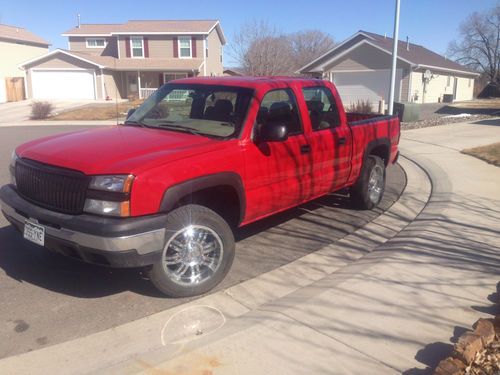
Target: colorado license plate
{"points": [[34, 233]]}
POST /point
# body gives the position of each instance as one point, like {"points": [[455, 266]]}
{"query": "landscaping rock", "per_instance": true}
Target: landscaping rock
{"points": [[468, 345], [485, 329], [450, 366]]}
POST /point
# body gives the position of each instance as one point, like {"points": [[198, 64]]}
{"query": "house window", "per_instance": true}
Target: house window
{"points": [[96, 42], [137, 46], [185, 47]]}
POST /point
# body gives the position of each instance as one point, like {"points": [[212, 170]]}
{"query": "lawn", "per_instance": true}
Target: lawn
{"points": [[489, 153], [95, 112], [479, 103]]}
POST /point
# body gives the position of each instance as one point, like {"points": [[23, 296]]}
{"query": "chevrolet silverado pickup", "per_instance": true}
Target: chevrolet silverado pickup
{"points": [[199, 158]]}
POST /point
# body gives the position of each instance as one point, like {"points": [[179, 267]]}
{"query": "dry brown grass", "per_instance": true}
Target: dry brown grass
{"points": [[479, 103], [489, 153], [96, 112]]}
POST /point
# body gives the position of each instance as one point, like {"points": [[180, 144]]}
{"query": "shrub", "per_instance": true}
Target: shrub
{"points": [[361, 106], [41, 110]]}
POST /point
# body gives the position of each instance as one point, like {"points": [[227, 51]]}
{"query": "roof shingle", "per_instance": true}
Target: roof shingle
{"points": [[145, 26], [20, 34], [415, 53]]}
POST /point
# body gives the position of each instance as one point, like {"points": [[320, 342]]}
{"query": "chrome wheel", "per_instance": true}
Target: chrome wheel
{"points": [[376, 184], [192, 255]]}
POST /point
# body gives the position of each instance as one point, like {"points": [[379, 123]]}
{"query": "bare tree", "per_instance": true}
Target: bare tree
{"points": [[262, 49], [307, 45], [479, 44]]}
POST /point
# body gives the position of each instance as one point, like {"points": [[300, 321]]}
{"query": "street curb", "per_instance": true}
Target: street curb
{"points": [[115, 349], [59, 123]]}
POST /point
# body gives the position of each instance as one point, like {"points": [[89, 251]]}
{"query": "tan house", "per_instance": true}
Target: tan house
{"points": [[107, 61], [16, 45], [360, 68]]}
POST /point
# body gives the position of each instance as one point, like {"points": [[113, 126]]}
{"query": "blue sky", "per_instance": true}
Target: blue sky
{"points": [[432, 23]]}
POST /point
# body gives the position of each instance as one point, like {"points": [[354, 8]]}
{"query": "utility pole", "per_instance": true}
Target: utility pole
{"points": [[394, 58]]}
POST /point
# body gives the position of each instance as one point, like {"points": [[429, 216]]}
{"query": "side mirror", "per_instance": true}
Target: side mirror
{"points": [[130, 112], [272, 132]]}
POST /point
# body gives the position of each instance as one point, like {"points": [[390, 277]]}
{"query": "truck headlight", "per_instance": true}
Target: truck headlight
{"points": [[118, 183], [109, 208], [12, 167], [109, 195]]}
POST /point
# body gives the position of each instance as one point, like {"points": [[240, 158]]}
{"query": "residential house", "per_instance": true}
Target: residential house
{"points": [[16, 45], [107, 61], [360, 67]]}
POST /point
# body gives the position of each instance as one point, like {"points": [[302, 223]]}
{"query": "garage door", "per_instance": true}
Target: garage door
{"points": [[372, 86], [63, 84]]}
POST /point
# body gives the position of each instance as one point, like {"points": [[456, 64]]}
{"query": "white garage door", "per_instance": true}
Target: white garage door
{"points": [[63, 84], [372, 86]]}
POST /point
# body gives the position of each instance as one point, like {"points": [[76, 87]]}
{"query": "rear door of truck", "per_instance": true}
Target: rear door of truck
{"points": [[330, 138]]}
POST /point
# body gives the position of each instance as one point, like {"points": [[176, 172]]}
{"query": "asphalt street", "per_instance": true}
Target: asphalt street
{"points": [[48, 299]]}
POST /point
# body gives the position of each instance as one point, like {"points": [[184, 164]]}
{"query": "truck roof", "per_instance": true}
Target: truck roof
{"points": [[246, 81]]}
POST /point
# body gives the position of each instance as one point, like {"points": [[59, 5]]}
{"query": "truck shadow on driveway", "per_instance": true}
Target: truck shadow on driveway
{"points": [[261, 247], [29, 263]]}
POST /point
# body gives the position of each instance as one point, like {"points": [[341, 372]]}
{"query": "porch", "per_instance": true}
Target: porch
{"points": [[142, 84]]}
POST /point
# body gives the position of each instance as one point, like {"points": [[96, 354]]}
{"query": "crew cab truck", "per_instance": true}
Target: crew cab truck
{"points": [[197, 159]]}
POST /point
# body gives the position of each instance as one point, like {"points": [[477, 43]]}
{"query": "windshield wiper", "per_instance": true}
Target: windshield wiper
{"points": [[181, 128], [134, 123]]}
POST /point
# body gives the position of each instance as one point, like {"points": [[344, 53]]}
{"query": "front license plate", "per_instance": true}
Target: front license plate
{"points": [[34, 233]]}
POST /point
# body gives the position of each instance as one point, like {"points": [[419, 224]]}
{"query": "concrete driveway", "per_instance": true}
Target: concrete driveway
{"points": [[15, 112]]}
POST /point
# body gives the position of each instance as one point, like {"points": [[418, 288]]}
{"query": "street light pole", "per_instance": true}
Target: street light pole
{"points": [[394, 58]]}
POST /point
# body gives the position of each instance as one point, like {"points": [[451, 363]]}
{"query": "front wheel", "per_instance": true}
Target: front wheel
{"points": [[198, 252], [368, 190]]}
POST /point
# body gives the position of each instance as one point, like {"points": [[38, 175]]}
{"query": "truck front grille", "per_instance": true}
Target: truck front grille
{"points": [[54, 188]]}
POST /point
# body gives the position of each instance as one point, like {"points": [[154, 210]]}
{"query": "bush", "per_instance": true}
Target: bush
{"points": [[361, 106], [41, 110]]}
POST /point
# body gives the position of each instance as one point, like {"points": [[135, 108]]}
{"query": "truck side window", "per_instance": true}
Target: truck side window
{"points": [[322, 108], [280, 106]]}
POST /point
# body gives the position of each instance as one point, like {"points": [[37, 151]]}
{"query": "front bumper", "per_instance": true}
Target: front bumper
{"points": [[116, 242]]}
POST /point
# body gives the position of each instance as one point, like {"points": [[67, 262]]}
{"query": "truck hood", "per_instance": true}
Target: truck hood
{"points": [[115, 149]]}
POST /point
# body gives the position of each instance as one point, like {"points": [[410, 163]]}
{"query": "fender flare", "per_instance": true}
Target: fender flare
{"points": [[175, 193], [375, 143]]}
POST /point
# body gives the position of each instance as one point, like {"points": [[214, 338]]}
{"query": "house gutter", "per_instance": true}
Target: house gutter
{"points": [[421, 66]]}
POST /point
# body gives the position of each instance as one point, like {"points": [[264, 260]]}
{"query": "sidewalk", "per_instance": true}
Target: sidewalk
{"points": [[434, 262]]}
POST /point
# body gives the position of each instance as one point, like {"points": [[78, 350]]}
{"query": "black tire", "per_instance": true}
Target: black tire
{"points": [[164, 277], [360, 191]]}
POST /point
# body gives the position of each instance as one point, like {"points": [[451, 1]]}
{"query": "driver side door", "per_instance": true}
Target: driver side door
{"points": [[278, 174]]}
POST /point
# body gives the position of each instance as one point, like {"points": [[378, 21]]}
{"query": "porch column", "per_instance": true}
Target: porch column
{"points": [[139, 84]]}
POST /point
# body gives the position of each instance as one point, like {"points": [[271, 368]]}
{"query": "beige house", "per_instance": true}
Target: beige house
{"points": [[16, 45], [108, 61], [360, 68]]}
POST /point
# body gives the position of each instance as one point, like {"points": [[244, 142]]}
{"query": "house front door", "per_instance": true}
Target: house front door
{"points": [[133, 86]]}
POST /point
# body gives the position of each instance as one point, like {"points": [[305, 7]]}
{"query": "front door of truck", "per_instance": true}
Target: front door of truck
{"points": [[331, 141], [278, 174]]}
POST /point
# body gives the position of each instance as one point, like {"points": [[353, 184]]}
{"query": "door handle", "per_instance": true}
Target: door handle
{"points": [[305, 149], [341, 141]]}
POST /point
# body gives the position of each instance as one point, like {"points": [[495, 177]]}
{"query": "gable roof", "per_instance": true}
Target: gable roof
{"points": [[202, 27], [112, 63], [19, 34], [414, 54]]}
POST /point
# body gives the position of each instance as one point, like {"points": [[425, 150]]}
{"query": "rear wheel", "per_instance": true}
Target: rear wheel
{"points": [[198, 252], [368, 190]]}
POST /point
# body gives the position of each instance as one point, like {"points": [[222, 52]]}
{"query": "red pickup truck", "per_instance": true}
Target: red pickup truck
{"points": [[197, 159]]}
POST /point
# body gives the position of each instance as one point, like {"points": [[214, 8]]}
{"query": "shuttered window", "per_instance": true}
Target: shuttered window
{"points": [[137, 46], [185, 47]]}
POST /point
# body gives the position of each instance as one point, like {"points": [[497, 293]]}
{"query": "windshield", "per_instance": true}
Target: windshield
{"points": [[210, 110]]}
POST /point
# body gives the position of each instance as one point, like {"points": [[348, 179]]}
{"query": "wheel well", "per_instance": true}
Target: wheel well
{"points": [[222, 199], [382, 151]]}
